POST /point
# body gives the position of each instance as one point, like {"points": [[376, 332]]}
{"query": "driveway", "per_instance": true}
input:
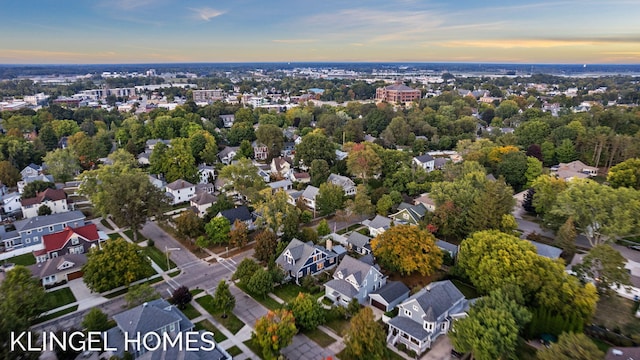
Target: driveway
{"points": [[85, 298], [441, 350]]}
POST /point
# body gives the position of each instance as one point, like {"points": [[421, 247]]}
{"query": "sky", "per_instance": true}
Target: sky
{"points": [[165, 31]]}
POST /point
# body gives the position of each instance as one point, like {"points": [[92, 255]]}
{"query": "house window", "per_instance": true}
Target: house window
{"points": [[320, 266], [407, 312], [50, 228], [444, 326], [172, 327], [27, 241], [415, 307], [375, 277], [39, 229], [300, 273], [54, 254], [35, 239], [28, 232], [75, 241]]}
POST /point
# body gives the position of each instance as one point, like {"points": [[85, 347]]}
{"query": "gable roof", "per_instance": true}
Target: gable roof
{"points": [[179, 184], [241, 213], [358, 240], [56, 241], [203, 198], [417, 211], [300, 252], [379, 222], [545, 250], [47, 220], [392, 291], [228, 150], [50, 267], [424, 158], [340, 180], [436, 299], [310, 192], [353, 267], [47, 195], [280, 184], [151, 316]]}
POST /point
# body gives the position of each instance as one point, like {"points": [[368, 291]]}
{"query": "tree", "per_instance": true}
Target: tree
{"points": [[329, 199], [532, 132], [534, 170], [139, 294], [362, 161], [566, 151], [239, 235], [48, 137], [22, 300], [9, 175], [319, 172], [260, 283], [271, 136], [273, 208], [243, 178], [274, 331], [365, 338], [507, 109], [514, 167], [223, 203], [266, 243], [245, 150], [217, 232], [179, 162], [604, 265], [96, 320], [490, 331], [62, 164], [33, 188], [315, 146], [44, 210], [566, 236], [385, 203], [245, 270], [407, 249], [490, 205], [625, 174], [307, 312], [101, 273], [124, 193], [547, 188], [571, 346], [323, 228], [239, 132], [189, 225], [361, 203], [223, 300], [180, 297]]}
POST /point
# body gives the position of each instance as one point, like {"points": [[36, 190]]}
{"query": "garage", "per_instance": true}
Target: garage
{"points": [[378, 305], [74, 275]]}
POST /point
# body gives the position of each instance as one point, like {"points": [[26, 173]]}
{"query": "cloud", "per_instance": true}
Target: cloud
{"points": [[129, 4], [294, 41], [206, 13]]}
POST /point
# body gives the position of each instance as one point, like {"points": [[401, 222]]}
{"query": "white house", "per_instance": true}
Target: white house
{"points": [[180, 191], [207, 173], [344, 182], [425, 161], [56, 200], [228, 154], [378, 225], [202, 202], [31, 170], [11, 202], [309, 196]]}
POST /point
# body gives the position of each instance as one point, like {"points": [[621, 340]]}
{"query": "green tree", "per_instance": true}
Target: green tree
{"points": [[532, 132], [139, 294], [271, 136], [266, 243], [243, 178], [65, 127], [566, 151], [125, 194], [217, 232], [307, 312], [260, 283], [625, 174], [180, 163], [273, 208], [361, 203], [605, 265], [245, 150], [323, 228], [48, 137], [239, 234], [239, 132], [96, 320], [507, 109], [245, 270], [101, 273], [319, 172], [33, 188], [566, 236], [407, 249], [315, 146], [490, 331], [513, 167], [534, 170], [362, 161], [385, 203], [273, 332], [329, 199], [9, 175], [365, 338], [62, 164], [547, 188], [44, 210], [571, 346], [189, 225], [223, 300], [22, 300], [490, 206]]}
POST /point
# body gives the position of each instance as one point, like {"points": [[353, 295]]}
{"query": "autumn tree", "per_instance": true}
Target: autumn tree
{"points": [[266, 243], [362, 161], [223, 300], [273, 332], [101, 273], [605, 265], [62, 164], [365, 338], [9, 174], [243, 178], [307, 312], [571, 346], [189, 225], [239, 234], [217, 232], [407, 249], [330, 198]]}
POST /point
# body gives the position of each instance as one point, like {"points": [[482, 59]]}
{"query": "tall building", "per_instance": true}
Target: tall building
{"points": [[397, 93]]}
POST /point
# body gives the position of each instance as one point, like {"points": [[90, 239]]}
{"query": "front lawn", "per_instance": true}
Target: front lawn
{"points": [[58, 298], [218, 336], [106, 224], [190, 312], [287, 292], [129, 234], [231, 322], [336, 322], [254, 347], [158, 257], [320, 337], [24, 260], [267, 301], [234, 351], [56, 314], [617, 313]]}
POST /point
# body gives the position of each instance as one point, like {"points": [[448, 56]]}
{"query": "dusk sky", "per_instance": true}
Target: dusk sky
{"points": [[152, 31]]}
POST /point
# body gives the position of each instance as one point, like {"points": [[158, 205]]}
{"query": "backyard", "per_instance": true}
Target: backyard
{"points": [[24, 260]]}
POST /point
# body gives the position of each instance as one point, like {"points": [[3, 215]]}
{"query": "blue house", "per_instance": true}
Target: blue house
{"points": [[300, 259], [29, 232]]}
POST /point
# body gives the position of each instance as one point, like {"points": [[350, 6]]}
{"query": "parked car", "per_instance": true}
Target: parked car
{"points": [[634, 247]]}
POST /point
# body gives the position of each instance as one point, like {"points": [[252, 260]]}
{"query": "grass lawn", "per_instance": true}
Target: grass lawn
{"points": [[190, 312], [56, 314], [218, 336], [603, 346], [24, 260], [195, 292], [287, 292], [106, 224], [616, 312], [339, 325], [467, 290], [320, 337], [114, 236], [268, 302], [59, 298], [234, 351], [124, 291], [254, 347], [129, 233], [231, 322], [526, 351], [391, 355], [158, 257]]}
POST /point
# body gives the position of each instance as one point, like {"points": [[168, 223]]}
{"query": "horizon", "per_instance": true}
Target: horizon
{"points": [[373, 31]]}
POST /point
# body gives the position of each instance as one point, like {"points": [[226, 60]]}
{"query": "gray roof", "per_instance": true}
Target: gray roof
{"points": [[280, 184], [424, 158], [399, 87], [203, 198], [452, 248], [175, 353], [179, 184], [410, 327], [367, 259], [437, 298], [351, 266], [358, 240], [392, 291], [418, 211], [340, 180], [545, 250], [240, 213], [299, 251], [42, 177], [310, 192], [50, 267], [380, 222], [150, 317], [48, 220], [227, 150], [343, 287]]}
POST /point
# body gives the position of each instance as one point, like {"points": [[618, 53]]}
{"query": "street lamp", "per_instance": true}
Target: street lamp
{"points": [[166, 251]]}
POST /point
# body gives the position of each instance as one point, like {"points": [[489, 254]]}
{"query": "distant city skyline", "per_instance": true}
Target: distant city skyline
{"points": [[164, 31]]}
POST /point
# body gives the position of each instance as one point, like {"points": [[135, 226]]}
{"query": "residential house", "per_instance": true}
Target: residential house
{"points": [[228, 154], [359, 243], [27, 180], [309, 197], [160, 317], [31, 170], [300, 259], [353, 279], [54, 199], [426, 315], [59, 270], [389, 296], [263, 174], [240, 213], [29, 232], [425, 161], [180, 191], [160, 184], [344, 182], [281, 166], [205, 188], [545, 250], [575, 169], [378, 225], [284, 185], [207, 173], [11, 203], [293, 196], [201, 202], [260, 151], [451, 249], [426, 201], [151, 144], [341, 155], [228, 120], [409, 214], [289, 148], [300, 177]]}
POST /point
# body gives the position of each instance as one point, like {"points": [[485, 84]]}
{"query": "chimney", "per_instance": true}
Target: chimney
{"points": [[329, 244]]}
